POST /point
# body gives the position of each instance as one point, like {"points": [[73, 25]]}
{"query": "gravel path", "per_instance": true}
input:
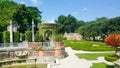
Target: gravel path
{"points": [[72, 61]]}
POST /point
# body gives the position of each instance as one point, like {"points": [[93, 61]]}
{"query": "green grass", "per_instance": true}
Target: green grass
{"points": [[26, 66], [101, 65], [87, 45], [92, 56]]}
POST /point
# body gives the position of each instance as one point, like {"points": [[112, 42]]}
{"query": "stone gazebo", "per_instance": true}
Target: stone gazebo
{"points": [[50, 48], [47, 30]]}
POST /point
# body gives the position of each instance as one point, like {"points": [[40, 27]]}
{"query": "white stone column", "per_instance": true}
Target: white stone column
{"points": [[33, 30], [11, 34]]}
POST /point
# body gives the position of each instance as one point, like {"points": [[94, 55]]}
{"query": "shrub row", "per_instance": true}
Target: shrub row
{"points": [[38, 37], [111, 58], [5, 36], [1, 37], [28, 36], [16, 36]]}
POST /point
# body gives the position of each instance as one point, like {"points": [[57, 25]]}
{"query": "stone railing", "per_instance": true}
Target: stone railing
{"points": [[46, 44], [13, 46]]}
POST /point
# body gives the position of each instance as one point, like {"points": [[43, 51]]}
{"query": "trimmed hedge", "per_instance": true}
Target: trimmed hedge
{"points": [[1, 37], [38, 38], [16, 36], [23, 37], [28, 35], [111, 58], [6, 36]]}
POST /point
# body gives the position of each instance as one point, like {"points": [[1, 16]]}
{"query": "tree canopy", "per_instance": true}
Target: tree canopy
{"points": [[7, 10], [67, 23], [100, 27], [20, 14]]}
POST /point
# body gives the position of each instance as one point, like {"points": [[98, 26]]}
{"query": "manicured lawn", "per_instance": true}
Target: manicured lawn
{"points": [[87, 45], [92, 56], [27, 66], [101, 65]]}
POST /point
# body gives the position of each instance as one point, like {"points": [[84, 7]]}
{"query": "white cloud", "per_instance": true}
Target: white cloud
{"points": [[84, 9], [22, 2], [36, 2]]}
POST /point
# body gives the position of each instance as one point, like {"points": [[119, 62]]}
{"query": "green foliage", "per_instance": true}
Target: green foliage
{"points": [[16, 36], [7, 10], [59, 38], [101, 65], [111, 58], [28, 35], [6, 36], [92, 56], [100, 27], [1, 37], [67, 23], [38, 37], [23, 37], [24, 16], [20, 14], [87, 45]]}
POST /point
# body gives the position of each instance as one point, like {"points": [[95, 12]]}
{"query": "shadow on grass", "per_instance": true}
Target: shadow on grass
{"points": [[110, 66]]}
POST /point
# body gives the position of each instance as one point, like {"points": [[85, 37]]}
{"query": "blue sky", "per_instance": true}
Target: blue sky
{"points": [[86, 10]]}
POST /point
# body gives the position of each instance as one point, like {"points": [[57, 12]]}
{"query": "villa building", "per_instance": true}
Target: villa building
{"points": [[73, 36]]}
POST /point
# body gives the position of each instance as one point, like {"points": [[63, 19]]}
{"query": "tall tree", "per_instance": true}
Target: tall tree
{"points": [[7, 10], [66, 23], [24, 16]]}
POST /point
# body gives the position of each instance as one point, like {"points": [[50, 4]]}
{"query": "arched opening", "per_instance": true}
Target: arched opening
{"points": [[48, 36]]}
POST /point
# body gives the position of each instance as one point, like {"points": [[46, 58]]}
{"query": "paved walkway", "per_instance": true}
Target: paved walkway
{"points": [[73, 61]]}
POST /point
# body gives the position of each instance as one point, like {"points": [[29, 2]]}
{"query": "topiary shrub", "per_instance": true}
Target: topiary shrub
{"points": [[23, 37], [111, 58], [28, 35], [1, 37], [16, 36], [38, 37], [6, 36]]}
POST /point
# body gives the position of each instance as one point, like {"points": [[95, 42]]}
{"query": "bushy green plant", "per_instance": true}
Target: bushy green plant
{"points": [[6, 36], [111, 58], [28, 35], [38, 37], [16, 36], [59, 38], [23, 37], [1, 37]]}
